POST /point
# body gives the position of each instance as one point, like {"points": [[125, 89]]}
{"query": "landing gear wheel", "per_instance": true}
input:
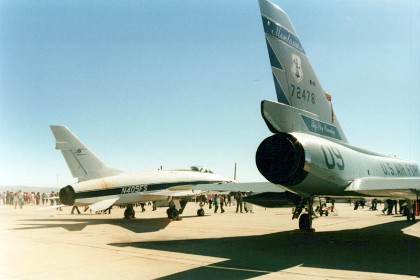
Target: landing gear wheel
{"points": [[173, 214], [304, 222], [200, 212], [129, 213]]}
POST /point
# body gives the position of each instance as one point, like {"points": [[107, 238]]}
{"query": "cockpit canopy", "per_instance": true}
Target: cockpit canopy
{"points": [[201, 169], [195, 168]]}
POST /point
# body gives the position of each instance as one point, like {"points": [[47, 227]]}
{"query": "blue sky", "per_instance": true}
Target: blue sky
{"points": [[178, 83]]}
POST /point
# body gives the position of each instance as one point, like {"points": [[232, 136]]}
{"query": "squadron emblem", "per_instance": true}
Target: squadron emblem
{"points": [[297, 68]]}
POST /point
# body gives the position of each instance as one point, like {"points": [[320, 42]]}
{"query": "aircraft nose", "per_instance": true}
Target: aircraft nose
{"points": [[67, 195]]}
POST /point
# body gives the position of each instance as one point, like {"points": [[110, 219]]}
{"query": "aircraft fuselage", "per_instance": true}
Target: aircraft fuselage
{"points": [[135, 187], [310, 165]]}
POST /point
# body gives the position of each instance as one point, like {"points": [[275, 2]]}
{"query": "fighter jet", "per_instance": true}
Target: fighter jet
{"points": [[100, 186], [308, 153]]}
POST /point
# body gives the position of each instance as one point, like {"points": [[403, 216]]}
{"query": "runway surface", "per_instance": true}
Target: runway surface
{"points": [[54, 244]]}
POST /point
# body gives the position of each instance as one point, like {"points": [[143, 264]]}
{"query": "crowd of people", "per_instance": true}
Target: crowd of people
{"points": [[389, 206], [217, 201], [19, 198]]}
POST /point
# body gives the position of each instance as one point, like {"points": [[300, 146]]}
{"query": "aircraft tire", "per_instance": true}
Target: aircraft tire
{"points": [[174, 214], [129, 213], [168, 212], [304, 222], [200, 212]]}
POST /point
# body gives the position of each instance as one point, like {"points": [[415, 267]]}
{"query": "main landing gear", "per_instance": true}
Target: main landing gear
{"points": [[305, 219], [129, 212], [176, 207], [172, 213]]}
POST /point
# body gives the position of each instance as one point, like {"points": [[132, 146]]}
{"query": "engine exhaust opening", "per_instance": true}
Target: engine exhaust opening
{"points": [[67, 195], [280, 158]]}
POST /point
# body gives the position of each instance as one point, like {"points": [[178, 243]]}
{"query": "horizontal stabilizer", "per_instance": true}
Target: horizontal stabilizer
{"points": [[403, 187], [103, 204]]}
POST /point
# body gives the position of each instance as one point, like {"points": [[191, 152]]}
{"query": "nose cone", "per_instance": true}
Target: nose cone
{"points": [[67, 195]]}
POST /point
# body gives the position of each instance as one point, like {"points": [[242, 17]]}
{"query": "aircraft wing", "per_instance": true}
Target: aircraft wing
{"points": [[256, 187], [103, 204], [403, 187], [180, 193]]}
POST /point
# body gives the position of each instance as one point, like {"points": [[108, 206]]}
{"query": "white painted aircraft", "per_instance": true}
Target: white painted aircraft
{"points": [[100, 186], [308, 154]]}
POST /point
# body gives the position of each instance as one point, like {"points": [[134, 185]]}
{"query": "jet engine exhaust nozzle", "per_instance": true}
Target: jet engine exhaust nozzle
{"points": [[67, 195], [280, 158]]}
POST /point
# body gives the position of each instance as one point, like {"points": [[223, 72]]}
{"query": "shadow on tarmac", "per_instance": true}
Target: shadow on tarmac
{"points": [[77, 224], [379, 249]]}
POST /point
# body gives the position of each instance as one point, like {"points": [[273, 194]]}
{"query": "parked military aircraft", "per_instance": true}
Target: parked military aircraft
{"points": [[308, 154], [100, 186]]}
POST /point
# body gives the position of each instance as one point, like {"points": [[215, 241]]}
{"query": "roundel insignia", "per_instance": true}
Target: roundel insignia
{"points": [[297, 68]]}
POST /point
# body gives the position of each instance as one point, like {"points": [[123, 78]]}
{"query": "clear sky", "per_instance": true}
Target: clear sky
{"points": [[178, 83]]}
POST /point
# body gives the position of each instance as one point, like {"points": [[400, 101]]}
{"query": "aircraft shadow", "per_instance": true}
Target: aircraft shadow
{"points": [[381, 249], [134, 225]]}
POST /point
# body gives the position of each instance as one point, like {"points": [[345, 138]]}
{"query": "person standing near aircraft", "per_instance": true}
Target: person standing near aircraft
{"points": [[390, 206], [385, 206], [142, 207], [238, 198], [222, 201], [216, 202], [15, 199], [20, 199], [374, 204], [75, 208], [210, 200]]}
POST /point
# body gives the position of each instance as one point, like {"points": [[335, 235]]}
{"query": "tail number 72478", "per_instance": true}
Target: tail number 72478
{"points": [[302, 94]]}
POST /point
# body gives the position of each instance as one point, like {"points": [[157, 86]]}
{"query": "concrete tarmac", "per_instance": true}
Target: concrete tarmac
{"points": [[54, 244]]}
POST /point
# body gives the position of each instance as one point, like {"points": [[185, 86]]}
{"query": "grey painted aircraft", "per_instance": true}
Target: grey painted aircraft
{"points": [[308, 153]]}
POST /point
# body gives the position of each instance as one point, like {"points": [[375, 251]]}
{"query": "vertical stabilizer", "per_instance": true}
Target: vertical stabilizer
{"points": [[82, 162], [304, 105]]}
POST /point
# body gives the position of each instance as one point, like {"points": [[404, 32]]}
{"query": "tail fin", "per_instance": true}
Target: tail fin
{"points": [[302, 103], [82, 162]]}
